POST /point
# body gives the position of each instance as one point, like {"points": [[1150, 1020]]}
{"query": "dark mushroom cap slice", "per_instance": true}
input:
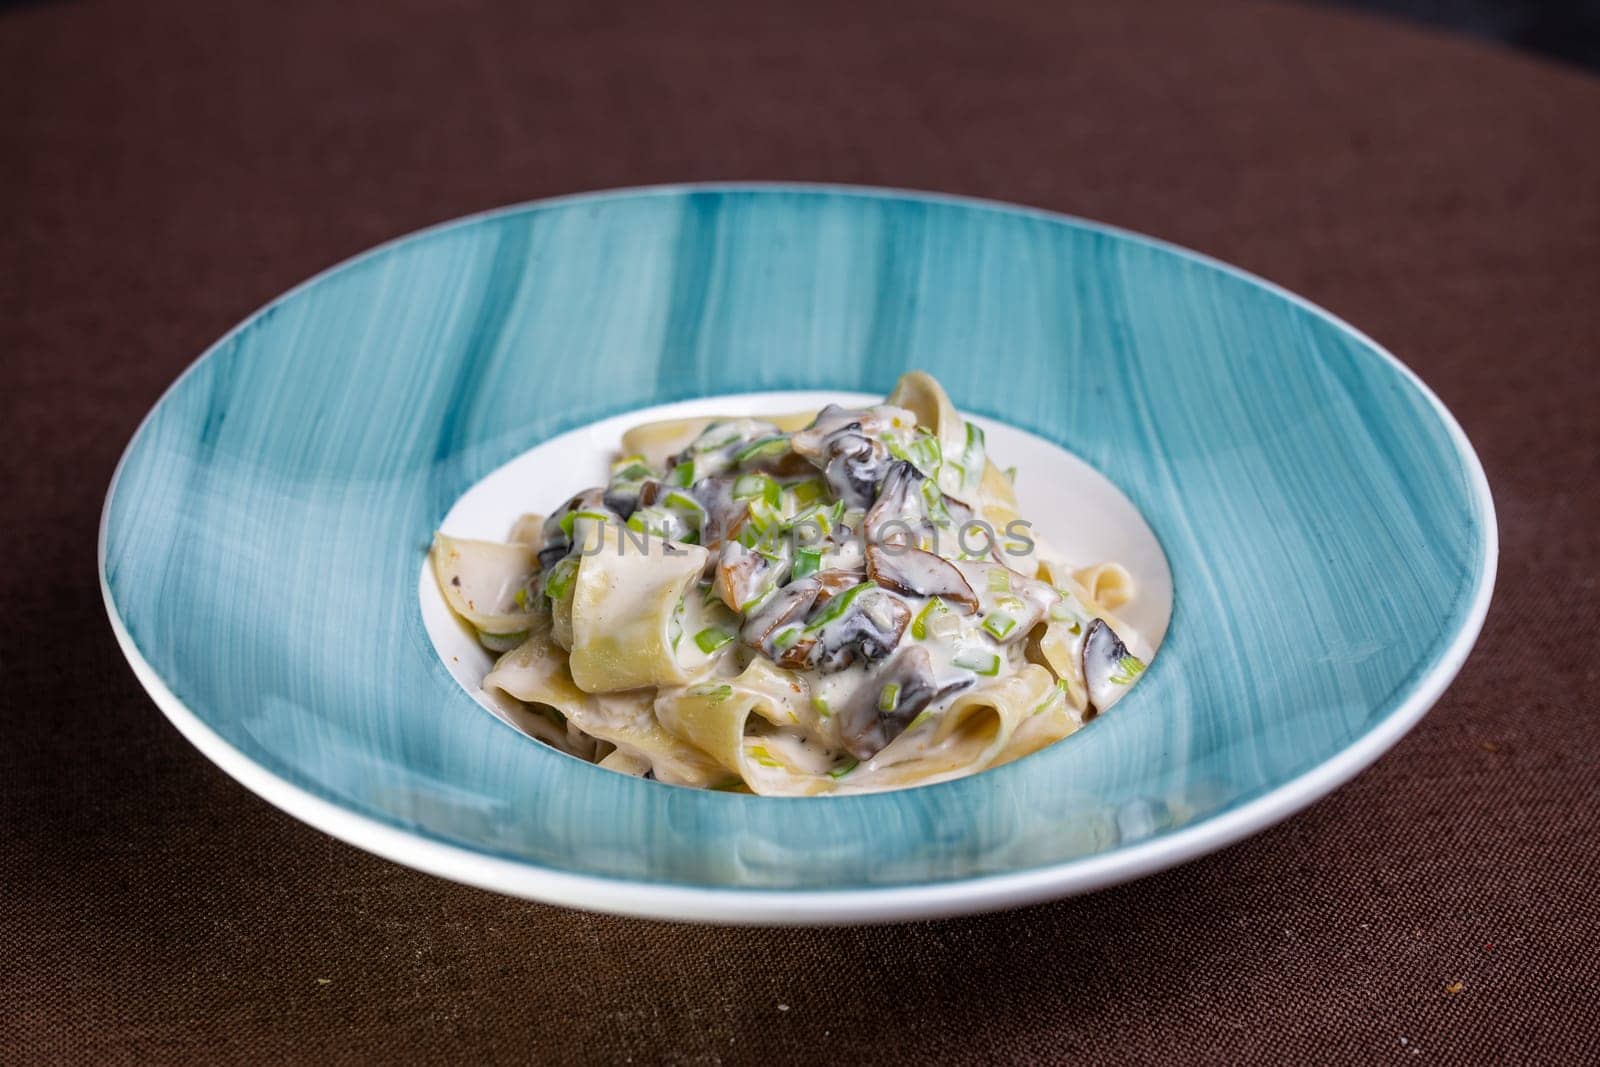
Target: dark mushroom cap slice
{"points": [[724, 515], [812, 442], [901, 514], [863, 622], [898, 498], [843, 443], [917, 573], [1106, 668], [866, 727]]}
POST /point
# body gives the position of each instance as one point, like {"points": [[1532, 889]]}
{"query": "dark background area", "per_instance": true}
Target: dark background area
{"points": [[167, 167], [1568, 30]]}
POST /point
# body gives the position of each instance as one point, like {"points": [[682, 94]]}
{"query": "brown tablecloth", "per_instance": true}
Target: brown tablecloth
{"points": [[167, 167]]}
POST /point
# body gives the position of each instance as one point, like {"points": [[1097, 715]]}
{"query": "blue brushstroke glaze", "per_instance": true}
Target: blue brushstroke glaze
{"points": [[264, 538]]}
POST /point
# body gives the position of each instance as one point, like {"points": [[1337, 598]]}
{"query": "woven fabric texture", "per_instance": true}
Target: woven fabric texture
{"points": [[167, 167]]}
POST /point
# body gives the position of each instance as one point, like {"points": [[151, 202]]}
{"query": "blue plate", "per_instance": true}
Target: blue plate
{"points": [[1330, 534]]}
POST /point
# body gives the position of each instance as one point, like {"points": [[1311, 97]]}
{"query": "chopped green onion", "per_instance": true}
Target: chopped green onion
{"points": [[815, 516], [836, 607], [729, 436], [786, 637], [762, 448], [687, 505], [979, 662], [1130, 667], [999, 580], [933, 502], [821, 706], [682, 475], [521, 599], [748, 486], [671, 524], [714, 693], [973, 456], [1057, 692], [764, 516], [807, 561], [635, 471], [889, 697], [925, 454], [809, 491], [919, 625], [919, 720], [1000, 625], [559, 581], [762, 756], [572, 517], [712, 638], [844, 768], [635, 460], [1010, 603]]}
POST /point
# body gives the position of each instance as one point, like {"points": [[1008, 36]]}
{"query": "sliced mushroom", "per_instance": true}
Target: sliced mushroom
{"points": [[788, 608], [812, 442], [865, 727], [744, 576], [854, 467], [918, 573], [868, 627], [898, 499], [724, 515], [623, 498], [834, 581], [842, 443], [1109, 669], [900, 515]]}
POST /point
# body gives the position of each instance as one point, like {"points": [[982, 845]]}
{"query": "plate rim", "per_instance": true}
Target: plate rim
{"points": [[752, 906]]}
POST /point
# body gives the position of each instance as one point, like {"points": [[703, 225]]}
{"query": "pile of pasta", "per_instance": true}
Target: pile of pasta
{"points": [[827, 602]]}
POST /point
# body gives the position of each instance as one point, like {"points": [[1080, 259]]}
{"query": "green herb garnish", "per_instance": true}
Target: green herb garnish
{"points": [[757, 486], [559, 581], [762, 448], [712, 638], [1129, 668], [682, 476], [919, 625], [986, 663], [999, 624], [807, 561]]}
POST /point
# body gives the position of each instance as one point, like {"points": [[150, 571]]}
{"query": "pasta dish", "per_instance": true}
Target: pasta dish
{"points": [[837, 601]]}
